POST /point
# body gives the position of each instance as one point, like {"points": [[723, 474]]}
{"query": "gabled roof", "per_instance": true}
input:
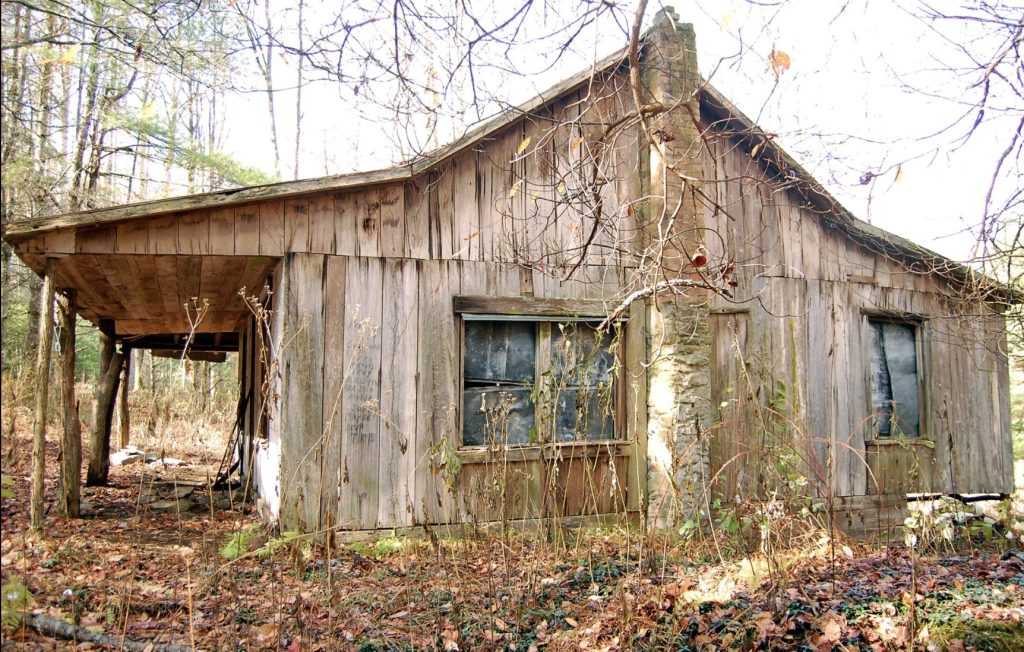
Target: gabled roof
{"points": [[756, 142]]}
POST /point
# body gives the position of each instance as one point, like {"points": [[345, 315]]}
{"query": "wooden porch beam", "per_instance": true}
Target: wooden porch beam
{"points": [[70, 479], [106, 391], [124, 427]]}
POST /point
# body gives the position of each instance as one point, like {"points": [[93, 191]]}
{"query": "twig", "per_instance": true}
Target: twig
{"points": [[643, 293], [60, 629]]}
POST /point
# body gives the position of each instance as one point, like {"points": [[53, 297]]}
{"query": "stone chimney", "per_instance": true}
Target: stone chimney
{"points": [[679, 336]]}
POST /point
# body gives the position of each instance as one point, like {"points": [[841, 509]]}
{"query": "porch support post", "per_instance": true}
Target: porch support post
{"points": [[42, 394], [123, 417], [70, 479], [106, 392]]}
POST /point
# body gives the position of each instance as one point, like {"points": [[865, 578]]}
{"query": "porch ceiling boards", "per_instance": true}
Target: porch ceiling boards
{"points": [[161, 294]]}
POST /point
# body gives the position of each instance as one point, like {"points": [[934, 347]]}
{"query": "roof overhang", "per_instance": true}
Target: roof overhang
{"points": [[163, 301]]}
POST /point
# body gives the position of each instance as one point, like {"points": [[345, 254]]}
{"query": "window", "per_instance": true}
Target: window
{"points": [[531, 382], [895, 380]]}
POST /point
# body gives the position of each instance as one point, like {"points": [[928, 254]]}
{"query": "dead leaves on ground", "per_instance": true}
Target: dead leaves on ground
{"points": [[158, 578]]}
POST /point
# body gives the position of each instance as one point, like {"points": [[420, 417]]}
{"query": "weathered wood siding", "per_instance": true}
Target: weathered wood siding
{"points": [[369, 397], [796, 332]]}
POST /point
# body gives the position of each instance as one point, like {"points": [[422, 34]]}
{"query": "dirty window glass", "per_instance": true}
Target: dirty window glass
{"points": [[497, 415], [522, 378], [582, 365], [499, 370], [894, 378], [500, 351]]}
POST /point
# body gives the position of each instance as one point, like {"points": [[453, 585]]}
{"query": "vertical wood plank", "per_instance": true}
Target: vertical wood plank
{"points": [[436, 417], [730, 446], [133, 237], [1000, 374], [465, 218], [62, 241], [301, 364], [247, 230], [321, 223], [627, 184], [193, 232], [271, 228], [485, 201], [222, 231], [567, 150], [392, 221], [334, 383], [101, 240], [515, 238], [368, 224], [361, 423], [417, 230], [938, 388], [347, 208], [399, 341], [634, 375], [296, 224], [163, 235], [440, 212], [768, 224]]}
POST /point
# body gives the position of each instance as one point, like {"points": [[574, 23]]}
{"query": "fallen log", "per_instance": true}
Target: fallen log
{"points": [[60, 629]]}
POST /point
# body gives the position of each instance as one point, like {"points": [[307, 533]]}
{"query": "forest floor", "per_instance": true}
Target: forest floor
{"points": [[211, 579]]}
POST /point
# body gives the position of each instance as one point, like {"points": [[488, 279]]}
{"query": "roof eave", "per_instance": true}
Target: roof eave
{"points": [[919, 258]]}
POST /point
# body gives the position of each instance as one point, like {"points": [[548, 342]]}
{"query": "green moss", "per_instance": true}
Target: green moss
{"points": [[238, 543], [979, 634], [379, 548]]}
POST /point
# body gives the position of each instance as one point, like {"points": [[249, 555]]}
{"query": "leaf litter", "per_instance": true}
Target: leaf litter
{"points": [[162, 578]]}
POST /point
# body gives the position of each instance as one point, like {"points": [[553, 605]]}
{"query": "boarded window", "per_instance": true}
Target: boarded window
{"points": [[894, 378], [525, 382]]}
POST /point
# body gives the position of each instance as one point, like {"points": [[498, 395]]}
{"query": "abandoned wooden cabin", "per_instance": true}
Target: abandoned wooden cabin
{"points": [[414, 349]]}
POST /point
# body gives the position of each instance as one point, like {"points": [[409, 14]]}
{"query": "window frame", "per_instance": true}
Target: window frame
{"points": [[545, 314], [917, 323]]}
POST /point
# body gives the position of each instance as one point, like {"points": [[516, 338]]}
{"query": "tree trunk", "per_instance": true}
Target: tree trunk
{"points": [[298, 95], [71, 442], [266, 66], [136, 369], [6, 261], [42, 396], [123, 418], [35, 291], [70, 632], [106, 391]]}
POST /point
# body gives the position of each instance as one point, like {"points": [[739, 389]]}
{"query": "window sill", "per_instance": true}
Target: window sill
{"points": [[921, 441], [563, 450]]}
